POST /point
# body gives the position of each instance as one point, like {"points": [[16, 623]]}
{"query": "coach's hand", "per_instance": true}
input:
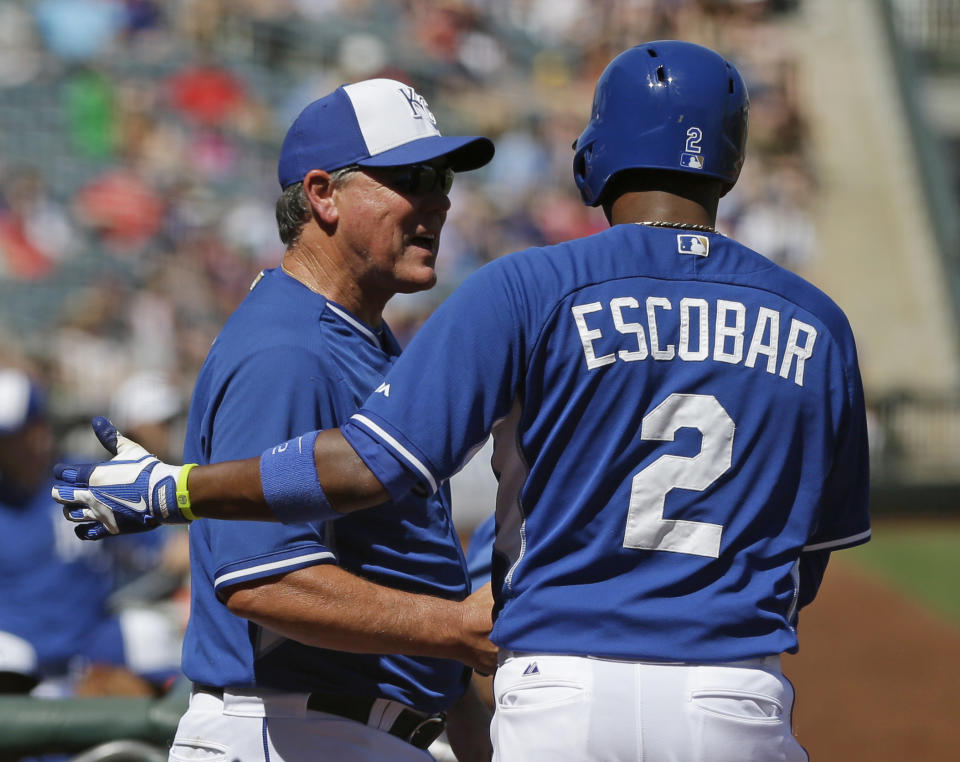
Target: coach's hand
{"points": [[133, 492], [477, 612]]}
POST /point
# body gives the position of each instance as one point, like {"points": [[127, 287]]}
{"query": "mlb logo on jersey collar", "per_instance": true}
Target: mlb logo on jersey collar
{"points": [[693, 244]]}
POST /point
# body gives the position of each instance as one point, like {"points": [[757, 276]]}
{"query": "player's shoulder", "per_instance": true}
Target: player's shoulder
{"points": [[537, 279], [262, 344], [276, 311], [273, 296], [538, 266], [788, 285], [598, 241]]}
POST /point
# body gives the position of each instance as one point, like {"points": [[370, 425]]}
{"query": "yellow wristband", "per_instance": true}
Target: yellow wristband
{"points": [[183, 494]]}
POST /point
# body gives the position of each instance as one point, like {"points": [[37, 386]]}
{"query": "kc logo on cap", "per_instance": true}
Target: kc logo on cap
{"points": [[418, 104]]}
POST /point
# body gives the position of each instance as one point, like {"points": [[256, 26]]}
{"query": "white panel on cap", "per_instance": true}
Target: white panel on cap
{"points": [[14, 399], [390, 114]]}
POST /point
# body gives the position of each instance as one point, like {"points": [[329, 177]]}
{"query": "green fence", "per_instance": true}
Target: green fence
{"points": [[110, 728]]}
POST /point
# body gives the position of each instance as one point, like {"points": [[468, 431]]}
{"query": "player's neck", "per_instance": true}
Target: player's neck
{"points": [[660, 206]]}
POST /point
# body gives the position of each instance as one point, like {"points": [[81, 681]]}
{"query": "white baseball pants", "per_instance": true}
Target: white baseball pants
{"points": [[552, 708], [278, 728]]}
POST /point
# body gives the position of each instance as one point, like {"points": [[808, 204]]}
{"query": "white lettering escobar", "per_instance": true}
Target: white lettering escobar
{"points": [[700, 337]]}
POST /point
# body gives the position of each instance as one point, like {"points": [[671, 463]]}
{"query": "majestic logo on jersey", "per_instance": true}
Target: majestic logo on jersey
{"points": [[693, 244], [532, 669], [383, 389]]}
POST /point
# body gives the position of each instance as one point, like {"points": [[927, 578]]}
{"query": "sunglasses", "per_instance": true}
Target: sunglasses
{"points": [[417, 179]]}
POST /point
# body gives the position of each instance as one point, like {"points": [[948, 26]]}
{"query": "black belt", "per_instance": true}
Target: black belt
{"points": [[414, 727]]}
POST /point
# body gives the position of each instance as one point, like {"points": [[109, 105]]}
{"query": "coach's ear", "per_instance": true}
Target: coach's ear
{"points": [[318, 187]]}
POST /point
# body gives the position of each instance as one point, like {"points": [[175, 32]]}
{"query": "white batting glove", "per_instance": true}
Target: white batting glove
{"points": [[133, 492]]}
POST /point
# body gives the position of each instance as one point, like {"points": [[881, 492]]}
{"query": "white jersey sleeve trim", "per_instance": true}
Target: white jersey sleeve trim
{"points": [[852, 539], [403, 451], [273, 566]]}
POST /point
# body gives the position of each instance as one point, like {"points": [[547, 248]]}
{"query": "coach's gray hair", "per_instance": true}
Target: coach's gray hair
{"points": [[293, 209]]}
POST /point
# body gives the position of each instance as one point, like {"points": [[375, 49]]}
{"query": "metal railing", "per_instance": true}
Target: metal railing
{"points": [[107, 729], [915, 438], [931, 27], [920, 32]]}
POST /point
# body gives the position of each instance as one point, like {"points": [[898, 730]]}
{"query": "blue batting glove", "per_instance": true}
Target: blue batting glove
{"points": [[133, 492]]}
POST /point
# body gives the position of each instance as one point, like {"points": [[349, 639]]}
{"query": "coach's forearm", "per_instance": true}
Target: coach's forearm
{"points": [[327, 607], [233, 489]]}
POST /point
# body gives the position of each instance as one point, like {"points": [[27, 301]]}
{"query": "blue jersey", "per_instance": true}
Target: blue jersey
{"points": [[677, 420], [480, 552], [288, 360]]}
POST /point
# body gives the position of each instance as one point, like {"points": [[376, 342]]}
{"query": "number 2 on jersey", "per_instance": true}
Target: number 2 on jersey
{"points": [[647, 529]]}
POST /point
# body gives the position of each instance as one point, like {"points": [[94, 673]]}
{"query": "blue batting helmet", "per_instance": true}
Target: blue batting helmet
{"points": [[666, 105]]}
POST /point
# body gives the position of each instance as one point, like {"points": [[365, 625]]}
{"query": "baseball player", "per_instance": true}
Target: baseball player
{"points": [[680, 440]]}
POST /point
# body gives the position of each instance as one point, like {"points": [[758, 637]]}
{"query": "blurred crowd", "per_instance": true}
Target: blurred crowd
{"points": [[138, 144]]}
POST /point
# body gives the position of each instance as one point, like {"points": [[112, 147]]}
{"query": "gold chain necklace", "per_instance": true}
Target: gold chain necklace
{"points": [[681, 225], [298, 279]]}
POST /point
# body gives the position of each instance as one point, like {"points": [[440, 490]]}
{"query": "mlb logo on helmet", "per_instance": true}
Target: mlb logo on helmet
{"points": [[693, 244], [691, 161]]}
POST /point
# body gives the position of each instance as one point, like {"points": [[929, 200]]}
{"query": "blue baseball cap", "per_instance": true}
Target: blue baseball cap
{"points": [[373, 123]]}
